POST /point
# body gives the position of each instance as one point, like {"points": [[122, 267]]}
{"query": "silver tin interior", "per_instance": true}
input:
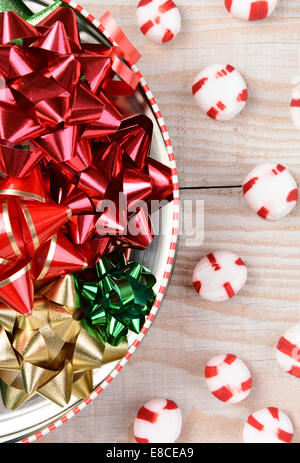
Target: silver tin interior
{"points": [[38, 413]]}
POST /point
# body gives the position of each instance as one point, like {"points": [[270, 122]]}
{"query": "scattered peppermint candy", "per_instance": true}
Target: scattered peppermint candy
{"points": [[288, 351], [271, 191], [228, 378], [250, 10], [268, 425], [159, 20], [158, 421], [219, 276], [220, 91]]}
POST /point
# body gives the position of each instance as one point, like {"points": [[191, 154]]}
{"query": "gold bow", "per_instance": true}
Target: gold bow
{"points": [[49, 353]]}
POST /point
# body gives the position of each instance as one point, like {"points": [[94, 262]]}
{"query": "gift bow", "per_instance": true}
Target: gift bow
{"points": [[66, 147], [118, 300], [49, 353]]}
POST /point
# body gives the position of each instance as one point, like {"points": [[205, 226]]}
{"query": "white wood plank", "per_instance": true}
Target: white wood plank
{"points": [[189, 331]]}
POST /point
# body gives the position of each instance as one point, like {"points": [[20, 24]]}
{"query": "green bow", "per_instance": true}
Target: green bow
{"points": [[22, 10], [17, 6], [118, 300]]}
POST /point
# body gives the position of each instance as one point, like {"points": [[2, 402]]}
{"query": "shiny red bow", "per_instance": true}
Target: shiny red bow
{"points": [[65, 151]]}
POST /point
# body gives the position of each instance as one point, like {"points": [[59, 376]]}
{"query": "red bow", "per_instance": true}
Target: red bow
{"points": [[65, 150]]}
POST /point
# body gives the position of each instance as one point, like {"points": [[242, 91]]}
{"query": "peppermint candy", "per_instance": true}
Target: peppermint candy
{"points": [[271, 191], [295, 105], [220, 91], [158, 421], [268, 425], [250, 10], [228, 378], [219, 276], [288, 351], [159, 20]]}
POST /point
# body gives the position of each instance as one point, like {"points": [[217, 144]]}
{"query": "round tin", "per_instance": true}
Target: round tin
{"points": [[38, 416]]}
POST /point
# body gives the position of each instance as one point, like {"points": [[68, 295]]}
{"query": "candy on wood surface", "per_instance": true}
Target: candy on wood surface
{"points": [[268, 425], [222, 154], [250, 10], [158, 20], [215, 154], [271, 191], [249, 325], [228, 378], [220, 91], [219, 276], [159, 420]]}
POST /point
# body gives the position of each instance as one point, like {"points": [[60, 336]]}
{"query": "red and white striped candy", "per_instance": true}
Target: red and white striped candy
{"points": [[228, 378], [219, 276], [250, 10], [158, 421], [271, 191], [288, 351], [268, 425], [295, 105], [220, 91], [159, 20]]}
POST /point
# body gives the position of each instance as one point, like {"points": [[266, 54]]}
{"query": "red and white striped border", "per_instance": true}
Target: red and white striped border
{"points": [[171, 254]]}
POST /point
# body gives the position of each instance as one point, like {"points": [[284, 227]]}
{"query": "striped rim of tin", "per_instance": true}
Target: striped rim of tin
{"points": [[172, 248]]}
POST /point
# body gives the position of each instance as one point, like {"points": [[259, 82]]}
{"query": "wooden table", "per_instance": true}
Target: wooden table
{"points": [[212, 157]]}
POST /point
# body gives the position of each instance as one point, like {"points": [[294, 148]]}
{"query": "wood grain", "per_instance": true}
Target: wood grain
{"points": [[188, 331], [265, 52]]}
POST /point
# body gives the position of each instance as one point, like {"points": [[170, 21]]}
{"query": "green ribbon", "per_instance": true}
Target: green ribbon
{"points": [[17, 6], [40, 15], [118, 300], [22, 10]]}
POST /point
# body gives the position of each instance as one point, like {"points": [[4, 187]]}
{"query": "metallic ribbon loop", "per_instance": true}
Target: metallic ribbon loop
{"points": [[116, 301], [49, 353], [66, 149]]}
